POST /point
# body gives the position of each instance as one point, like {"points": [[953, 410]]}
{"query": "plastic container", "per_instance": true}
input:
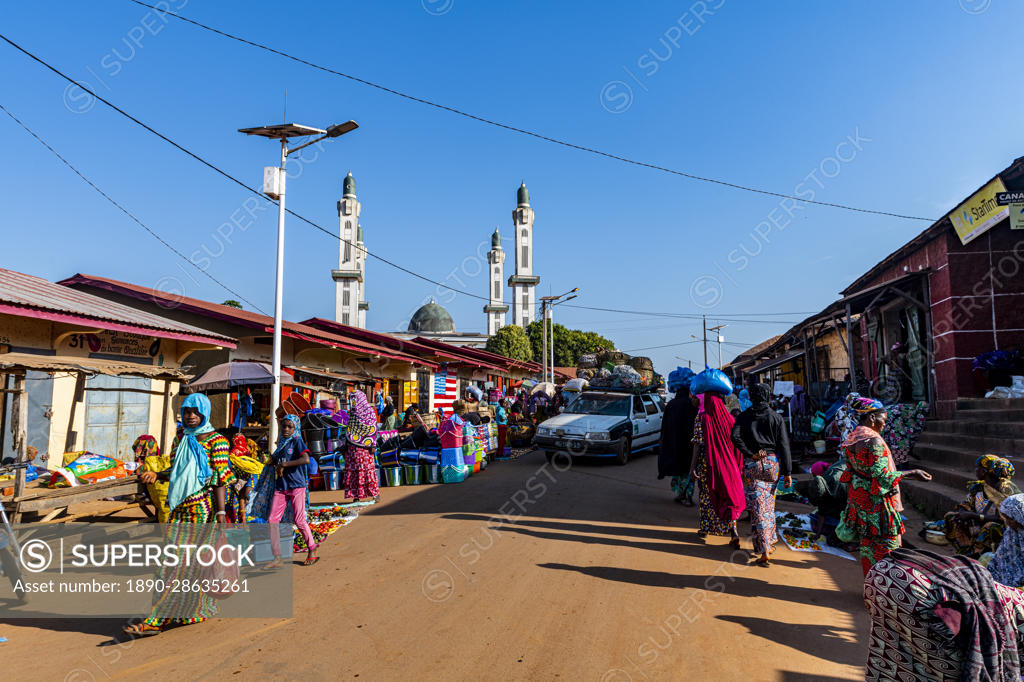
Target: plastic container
{"points": [[431, 473], [332, 479], [412, 474], [392, 475], [819, 447]]}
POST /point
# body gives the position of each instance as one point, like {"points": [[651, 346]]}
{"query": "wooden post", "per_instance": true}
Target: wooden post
{"points": [[165, 445], [3, 414], [849, 348], [71, 436], [19, 420]]}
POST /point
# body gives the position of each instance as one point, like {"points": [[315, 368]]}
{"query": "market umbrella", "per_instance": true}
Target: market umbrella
{"points": [[546, 387], [231, 376]]}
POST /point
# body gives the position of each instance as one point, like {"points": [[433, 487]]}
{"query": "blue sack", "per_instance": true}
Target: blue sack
{"points": [[312, 467], [679, 377], [711, 380]]}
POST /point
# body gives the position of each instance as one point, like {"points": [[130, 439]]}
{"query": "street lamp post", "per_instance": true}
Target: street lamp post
{"points": [[721, 338], [274, 187], [547, 304]]}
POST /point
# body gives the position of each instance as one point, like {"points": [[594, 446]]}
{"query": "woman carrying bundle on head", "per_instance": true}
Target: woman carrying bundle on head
{"points": [[717, 466], [360, 472]]}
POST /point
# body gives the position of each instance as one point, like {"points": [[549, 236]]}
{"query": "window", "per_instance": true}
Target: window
{"points": [[348, 252], [345, 319], [526, 302], [649, 405], [638, 407], [346, 297], [497, 272], [497, 290], [525, 238], [526, 256]]}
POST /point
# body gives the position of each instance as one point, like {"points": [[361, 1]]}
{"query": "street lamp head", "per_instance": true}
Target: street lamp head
{"points": [[339, 129]]}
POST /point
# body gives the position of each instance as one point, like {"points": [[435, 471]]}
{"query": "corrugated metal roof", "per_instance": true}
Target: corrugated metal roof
{"points": [[67, 363], [239, 316], [35, 293]]}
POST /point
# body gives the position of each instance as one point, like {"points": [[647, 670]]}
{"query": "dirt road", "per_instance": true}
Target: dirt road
{"points": [[521, 572]]}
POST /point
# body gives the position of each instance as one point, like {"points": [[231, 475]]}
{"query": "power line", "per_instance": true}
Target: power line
{"points": [[126, 211], [522, 131], [231, 177]]}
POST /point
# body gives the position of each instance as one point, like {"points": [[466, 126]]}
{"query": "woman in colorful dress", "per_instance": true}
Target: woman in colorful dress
{"points": [[200, 479], [360, 472], [872, 516], [1007, 565], [942, 618], [718, 467], [760, 435], [975, 526]]}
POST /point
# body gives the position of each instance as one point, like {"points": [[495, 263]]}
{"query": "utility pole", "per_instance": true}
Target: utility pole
{"points": [[544, 337], [705, 318], [718, 329]]}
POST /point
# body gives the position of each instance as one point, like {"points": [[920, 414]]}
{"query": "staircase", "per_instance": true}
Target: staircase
{"points": [[948, 449]]}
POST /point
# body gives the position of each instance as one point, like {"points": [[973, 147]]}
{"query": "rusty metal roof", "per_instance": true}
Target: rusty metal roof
{"points": [[67, 363], [30, 296]]}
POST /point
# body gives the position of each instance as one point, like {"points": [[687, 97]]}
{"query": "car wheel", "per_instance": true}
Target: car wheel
{"points": [[623, 450]]}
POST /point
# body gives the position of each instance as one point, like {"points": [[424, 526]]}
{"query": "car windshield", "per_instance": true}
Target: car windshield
{"points": [[600, 403]]}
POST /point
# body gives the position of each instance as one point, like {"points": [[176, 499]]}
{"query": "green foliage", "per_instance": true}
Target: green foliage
{"points": [[512, 342], [233, 303], [570, 344]]}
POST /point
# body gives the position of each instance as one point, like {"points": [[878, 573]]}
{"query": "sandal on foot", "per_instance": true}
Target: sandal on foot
{"points": [[734, 543], [141, 630], [310, 560], [763, 561]]}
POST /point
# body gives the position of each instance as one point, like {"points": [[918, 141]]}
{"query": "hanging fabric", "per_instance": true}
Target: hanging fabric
{"points": [[915, 354]]}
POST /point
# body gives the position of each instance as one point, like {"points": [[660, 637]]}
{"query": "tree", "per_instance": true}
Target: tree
{"points": [[233, 303], [512, 342], [570, 344]]}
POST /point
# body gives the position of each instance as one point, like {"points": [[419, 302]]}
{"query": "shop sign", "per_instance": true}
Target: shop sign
{"points": [[117, 343], [979, 213], [1007, 198], [1017, 216]]}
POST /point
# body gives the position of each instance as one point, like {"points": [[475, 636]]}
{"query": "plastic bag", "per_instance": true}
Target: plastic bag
{"points": [[679, 377], [158, 489], [713, 380], [818, 422]]}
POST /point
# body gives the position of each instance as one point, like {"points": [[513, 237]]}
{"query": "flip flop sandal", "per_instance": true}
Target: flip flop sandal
{"points": [[310, 561], [141, 630]]}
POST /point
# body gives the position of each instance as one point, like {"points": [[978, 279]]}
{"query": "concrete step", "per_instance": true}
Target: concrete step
{"points": [[933, 499], [989, 403], [943, 455], [951, 477], [1014, 414], [1004, 447], [973, 427]]}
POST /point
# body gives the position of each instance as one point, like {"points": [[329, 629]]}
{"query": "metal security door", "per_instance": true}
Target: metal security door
{"points": [[114, 418]]}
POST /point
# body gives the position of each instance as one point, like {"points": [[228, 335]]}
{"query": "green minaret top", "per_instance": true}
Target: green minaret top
{"points": [[348, 186], [359, 233], [496, 239], [523, 195]]}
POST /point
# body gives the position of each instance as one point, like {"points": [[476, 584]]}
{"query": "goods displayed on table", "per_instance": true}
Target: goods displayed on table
{"points": [[797, 532], [82, 468]]}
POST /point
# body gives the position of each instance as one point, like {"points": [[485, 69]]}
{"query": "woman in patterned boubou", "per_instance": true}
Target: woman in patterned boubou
{"points": [[200, 486], [872, 516]]}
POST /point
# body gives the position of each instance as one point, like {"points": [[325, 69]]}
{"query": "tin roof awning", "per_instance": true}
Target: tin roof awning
{"points": [[66, 363], [775, 362]]}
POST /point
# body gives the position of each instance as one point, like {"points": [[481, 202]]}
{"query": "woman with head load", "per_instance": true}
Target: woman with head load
{"points": [[872, 515], [360, 473], [760, 435], [200, 476], [717, 465]]}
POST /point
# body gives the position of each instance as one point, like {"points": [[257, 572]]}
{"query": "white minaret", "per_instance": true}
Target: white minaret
{"points": [[524, 281], [364, 305], [496, 309], [349, 275]]}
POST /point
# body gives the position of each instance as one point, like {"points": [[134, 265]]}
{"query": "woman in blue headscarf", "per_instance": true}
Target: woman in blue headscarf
{"points": [[199, 477]]}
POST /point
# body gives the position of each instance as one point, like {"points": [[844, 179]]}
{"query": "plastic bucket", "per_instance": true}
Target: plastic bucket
{"points": [[380, 477], [392, 476], [412, 473], [431, 473], [819, 447], [332, 479]]}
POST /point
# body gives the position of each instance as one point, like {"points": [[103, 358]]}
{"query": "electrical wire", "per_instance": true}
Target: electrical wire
{"points": [[522, 131], [126, 211]]}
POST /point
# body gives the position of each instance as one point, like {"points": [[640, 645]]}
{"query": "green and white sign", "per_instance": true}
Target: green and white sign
{"points": [[1017, 216]]}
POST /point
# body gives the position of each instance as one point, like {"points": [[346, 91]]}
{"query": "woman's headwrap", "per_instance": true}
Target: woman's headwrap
{"points": [[999, 466], [283, 442], [761, 395], [863, 406], [818, 468], [362, 421], [191, 470], [145, 446]]}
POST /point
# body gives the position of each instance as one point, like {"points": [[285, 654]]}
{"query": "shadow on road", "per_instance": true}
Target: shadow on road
{"points": [[721, 582], [805, 638]]}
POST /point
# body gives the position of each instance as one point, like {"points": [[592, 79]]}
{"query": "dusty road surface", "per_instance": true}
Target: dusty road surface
{"points": [[522, 572]]}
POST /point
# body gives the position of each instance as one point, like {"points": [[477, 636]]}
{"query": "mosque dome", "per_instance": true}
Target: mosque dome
{"points": [[432, 319], [523, 195], [496, 239], [348, 186]]}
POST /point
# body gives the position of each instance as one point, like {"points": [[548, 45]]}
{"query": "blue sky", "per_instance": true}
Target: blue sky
{"points": [[922, 93]]}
